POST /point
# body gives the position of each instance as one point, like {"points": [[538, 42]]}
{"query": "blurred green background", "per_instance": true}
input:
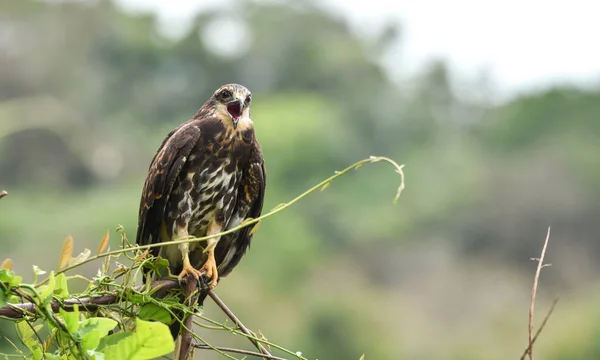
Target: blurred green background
{"points": [[89, 90]]}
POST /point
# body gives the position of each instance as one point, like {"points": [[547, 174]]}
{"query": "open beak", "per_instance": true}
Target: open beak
{"points": [[235, 109]]}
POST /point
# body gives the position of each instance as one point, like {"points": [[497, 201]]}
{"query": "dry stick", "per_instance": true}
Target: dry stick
{"points": [[238, 323], [534, 291], [540, 328], [238, 351]]}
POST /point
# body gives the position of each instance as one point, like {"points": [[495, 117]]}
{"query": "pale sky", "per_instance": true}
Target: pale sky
{"points": [[524, 44]]}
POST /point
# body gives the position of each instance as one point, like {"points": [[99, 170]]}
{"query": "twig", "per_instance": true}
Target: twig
{"points": [[527, 351], [238, 351], [534, 291], [3, 193], [237, 322], [36, 334]]}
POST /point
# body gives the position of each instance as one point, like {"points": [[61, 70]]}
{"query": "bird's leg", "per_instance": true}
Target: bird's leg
{"points": [[185, 254], [210, 266]]}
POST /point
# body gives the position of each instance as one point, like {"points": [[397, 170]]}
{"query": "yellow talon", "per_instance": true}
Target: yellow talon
{"points": [[210, 269], [188, 269]]}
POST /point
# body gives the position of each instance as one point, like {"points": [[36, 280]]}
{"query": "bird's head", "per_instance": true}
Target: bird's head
{"points": [[232, 101]]}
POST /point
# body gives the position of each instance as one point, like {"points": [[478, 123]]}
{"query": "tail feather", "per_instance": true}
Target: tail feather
{"points": [[175, 327], [185, 345]]}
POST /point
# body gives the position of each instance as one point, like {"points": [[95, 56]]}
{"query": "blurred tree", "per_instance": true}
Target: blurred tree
{"points": [[89, 91]]}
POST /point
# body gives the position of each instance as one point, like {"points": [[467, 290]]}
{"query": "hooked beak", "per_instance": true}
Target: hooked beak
{"points": [[235, 109]]}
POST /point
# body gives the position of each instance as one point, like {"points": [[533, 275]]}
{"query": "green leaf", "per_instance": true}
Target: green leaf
{"points": [[61, 290], [93, 329], [25, 331], [154, 312], [150, 340], [36, 352], [161, 263], [95, 355], [47, 290], [136, 298], [8, 277], [2, 297], [80, 258], [27, 334], [53, 357], [37, 271], [158, 264], [112, 339], [71, 319]]}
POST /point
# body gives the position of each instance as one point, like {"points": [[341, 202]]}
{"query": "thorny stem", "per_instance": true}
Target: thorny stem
{"points": [[249, 222]]}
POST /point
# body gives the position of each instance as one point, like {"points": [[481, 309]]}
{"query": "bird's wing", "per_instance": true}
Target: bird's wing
{"points": [[258, 182], [255, 183], [164, 169], [259, 175]]}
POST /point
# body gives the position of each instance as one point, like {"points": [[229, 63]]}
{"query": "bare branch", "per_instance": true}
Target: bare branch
{"points": [[237, 322], [533, 293], [537, 333]]}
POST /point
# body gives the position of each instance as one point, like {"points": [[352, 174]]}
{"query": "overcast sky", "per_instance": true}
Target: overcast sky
{"points": [[523, 44]]}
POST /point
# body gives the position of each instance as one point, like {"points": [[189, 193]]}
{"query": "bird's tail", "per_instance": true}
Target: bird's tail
{"points": [[175, 327]]}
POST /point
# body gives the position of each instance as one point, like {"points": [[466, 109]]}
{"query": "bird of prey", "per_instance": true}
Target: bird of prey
{"points": [[207, 176]]}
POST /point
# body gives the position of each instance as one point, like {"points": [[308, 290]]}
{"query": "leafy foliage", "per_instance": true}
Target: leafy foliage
{"points": [[118, 331]]}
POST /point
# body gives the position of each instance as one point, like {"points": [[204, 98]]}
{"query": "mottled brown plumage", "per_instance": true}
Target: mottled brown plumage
{"points": [[207, 176]]}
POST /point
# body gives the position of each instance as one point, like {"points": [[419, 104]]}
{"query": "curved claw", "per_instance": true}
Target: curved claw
{"points": [[188, 269], [210, 270], [202, 283]]}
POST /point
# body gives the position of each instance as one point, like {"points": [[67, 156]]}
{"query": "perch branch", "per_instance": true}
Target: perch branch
{"points": [[89, 303], [191, 296], [238, 323]]}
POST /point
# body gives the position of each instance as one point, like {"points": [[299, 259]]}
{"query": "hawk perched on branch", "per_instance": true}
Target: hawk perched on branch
{"points": [[207, 177]]}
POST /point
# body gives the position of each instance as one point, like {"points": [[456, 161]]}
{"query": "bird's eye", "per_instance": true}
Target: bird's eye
{"points": [[248, 99], [225, 95]]}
